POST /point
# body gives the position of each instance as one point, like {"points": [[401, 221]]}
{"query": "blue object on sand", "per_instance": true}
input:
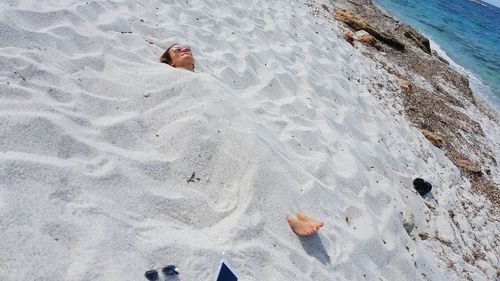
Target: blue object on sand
{"points": [[226, 272]]}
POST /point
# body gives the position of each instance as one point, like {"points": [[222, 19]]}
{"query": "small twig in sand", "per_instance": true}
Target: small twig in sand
{"points": [[193, 178], [19, 74]]}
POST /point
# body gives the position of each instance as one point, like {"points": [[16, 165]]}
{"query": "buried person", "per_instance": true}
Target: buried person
{"points": [[303, 225], [178, 56]]}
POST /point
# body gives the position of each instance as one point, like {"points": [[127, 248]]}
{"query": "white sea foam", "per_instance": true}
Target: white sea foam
{"points": [[476, 85]]}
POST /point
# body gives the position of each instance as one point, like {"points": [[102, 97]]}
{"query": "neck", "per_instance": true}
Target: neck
{"points": [[189, 67]]}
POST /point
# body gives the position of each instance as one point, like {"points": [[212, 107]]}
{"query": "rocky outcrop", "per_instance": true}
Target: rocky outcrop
{"points": [[352, 20], [421, 41], [359, 23]]}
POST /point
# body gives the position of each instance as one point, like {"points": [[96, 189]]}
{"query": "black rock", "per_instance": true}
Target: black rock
{"points": [[422, 186]]}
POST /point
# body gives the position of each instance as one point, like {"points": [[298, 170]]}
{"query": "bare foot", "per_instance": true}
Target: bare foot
{"points": [[302, 228], [303, 217]]}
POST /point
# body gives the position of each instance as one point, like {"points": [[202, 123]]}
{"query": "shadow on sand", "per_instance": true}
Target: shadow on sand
{"points": [[315, 248], [429, 197]]}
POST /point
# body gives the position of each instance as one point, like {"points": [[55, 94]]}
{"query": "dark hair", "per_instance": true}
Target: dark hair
{"points": [[166, 58]]}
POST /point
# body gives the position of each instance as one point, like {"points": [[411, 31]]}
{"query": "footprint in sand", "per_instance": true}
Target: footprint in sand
{"points": [[344, 164]]}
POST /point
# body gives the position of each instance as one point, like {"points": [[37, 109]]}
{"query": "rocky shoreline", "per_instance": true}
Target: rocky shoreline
{"points": [[435, 97]]}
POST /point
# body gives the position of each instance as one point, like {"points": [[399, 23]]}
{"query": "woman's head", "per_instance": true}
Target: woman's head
{"points": [[178, 56]]}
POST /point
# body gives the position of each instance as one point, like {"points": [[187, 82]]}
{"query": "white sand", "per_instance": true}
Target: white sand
{"points": [[98, 140]]}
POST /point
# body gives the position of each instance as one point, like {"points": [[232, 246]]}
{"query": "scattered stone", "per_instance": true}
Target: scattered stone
{"points": [[365, 38], [404, 84], [349, 37], [408, 221], [451, 213], [360, 33], [478, 255], [423, 235], [470, 167], [468, 259], [436, 140]]}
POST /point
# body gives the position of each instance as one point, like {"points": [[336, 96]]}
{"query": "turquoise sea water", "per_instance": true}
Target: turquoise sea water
{"points": [[467, 31]]}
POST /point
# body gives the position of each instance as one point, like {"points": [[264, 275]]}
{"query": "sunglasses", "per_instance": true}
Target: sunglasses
{"points": [[152, 275], [178, 49]]}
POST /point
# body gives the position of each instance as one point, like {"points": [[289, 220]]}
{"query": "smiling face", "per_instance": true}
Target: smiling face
{"points": [[181, 57]]}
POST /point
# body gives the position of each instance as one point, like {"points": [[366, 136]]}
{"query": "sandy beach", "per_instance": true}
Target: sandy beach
{"points": [[112, 163]]}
